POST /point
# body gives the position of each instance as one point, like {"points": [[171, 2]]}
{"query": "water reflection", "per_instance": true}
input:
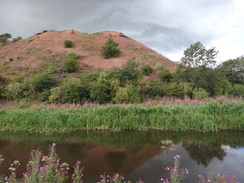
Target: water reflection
{"points": [[133, 154]]}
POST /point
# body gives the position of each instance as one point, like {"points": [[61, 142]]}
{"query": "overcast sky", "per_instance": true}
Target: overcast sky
{"points": [[167, 26]]}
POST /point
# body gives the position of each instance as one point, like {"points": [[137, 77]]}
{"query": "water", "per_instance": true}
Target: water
{"points": [[136, 155]]}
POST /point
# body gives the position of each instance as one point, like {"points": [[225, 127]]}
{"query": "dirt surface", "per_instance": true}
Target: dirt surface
{"points": [[37, 53]]}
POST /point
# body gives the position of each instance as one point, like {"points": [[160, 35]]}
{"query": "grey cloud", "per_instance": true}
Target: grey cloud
{"points": [[164, 25]]}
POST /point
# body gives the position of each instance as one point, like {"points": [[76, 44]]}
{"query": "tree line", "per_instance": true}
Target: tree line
{"points": [[196, 76]]}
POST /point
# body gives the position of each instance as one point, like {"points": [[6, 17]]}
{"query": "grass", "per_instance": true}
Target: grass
{"points": [[209, 117]]}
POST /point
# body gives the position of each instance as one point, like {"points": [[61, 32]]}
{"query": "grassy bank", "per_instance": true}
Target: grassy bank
{"points": [[209, 117]]}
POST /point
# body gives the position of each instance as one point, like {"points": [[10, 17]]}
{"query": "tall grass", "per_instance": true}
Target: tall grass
{"points": [[209, 117]]}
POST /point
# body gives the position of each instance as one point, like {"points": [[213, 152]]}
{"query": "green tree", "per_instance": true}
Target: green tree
{"points": [[43, 81], [233, 70], [71, 62], [165, 76], [129, 73], [121, 96], [200, 93], [196, 68], [147, 70], [197, 55], [4, 38], [72, 91], [109, 49], [17, 39], [100, 92]]}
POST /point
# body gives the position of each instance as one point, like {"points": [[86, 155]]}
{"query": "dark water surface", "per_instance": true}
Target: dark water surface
{"points": [[136, 155]]}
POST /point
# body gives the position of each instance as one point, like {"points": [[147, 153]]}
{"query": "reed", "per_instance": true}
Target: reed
{"points": [[208, 117]]}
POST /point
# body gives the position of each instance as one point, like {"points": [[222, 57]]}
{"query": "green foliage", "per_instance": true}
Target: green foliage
{"points": [[56, 95], [17, 91], [237, 90], [147, 70], [129, 73], [121, 96], [2, 80], [51, 69], [72, 92], [17, 39], [197, 55], [165, 76], [200, 93], [4, 38], [174, 90], [233, 70], [43, 81], [68, 44], [100, 92], [109, 49], [134, 95], [44, 96], [17, 79], [2, 93], [71, 62], [155, 89]]}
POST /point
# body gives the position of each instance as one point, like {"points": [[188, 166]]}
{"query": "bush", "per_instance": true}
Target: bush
{"points": [[129, 73], [72, 92], [43, 81], [51, 69], [109, 49], [70, 63], [200, 93], [2, 80], [56, 95], [165, 76], [134, 94], [155, 89], [147, 70], [121, 96], [17, 39], [100, 92], [237, 90], [68, 44], [16, 91]]}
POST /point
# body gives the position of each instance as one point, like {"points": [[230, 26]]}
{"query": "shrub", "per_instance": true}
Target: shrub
{"points": [[155, 89], [200, 93], [44, 96], [134, 94], [174, 90], [43, 81], [100, 92], [2, 92], [68, 44], [70, 63], [237, 90], [51, 69], [121, 96], [16, 91], [165, 76], [129, 73], [72, 92], [109, 49], [17, 39], [147, 70], [56, 95], [2, 80]]}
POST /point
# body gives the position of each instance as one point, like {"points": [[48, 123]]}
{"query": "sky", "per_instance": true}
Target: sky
{"points": [[166, 26]]}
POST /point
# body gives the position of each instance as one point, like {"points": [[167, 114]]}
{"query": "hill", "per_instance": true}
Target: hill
{"points": [[36, 53]]}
